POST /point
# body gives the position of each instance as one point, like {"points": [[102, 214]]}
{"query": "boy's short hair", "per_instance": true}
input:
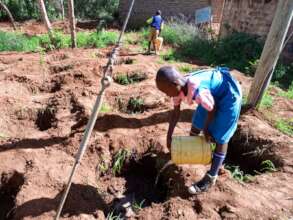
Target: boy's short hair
{"points": [[158, 12], [170, 75]]}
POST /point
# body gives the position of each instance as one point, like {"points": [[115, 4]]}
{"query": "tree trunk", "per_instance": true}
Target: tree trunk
{"points": [[4, 7], [72, 23], [271, 52], [62, 9], [46, 19]]}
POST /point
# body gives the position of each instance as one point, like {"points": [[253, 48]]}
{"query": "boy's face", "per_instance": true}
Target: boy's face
{"points": [[170, 89]]}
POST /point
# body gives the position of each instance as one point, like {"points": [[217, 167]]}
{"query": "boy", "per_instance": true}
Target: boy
{"points": [[218, 96], [156, 22]]}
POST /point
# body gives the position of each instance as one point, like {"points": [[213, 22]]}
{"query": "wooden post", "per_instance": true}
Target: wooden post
{"points": [[271, 52], [4, 7], [72, 23]]}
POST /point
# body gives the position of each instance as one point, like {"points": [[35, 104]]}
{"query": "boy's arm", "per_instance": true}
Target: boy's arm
{"points": [[174, 117], [150, 20]]}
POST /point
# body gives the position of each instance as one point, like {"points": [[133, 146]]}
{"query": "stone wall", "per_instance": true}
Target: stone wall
{"points": [[143, 9]]}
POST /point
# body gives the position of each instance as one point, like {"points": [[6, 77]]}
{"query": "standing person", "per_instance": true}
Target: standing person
{"points": [[218, 96], [156, 25]]}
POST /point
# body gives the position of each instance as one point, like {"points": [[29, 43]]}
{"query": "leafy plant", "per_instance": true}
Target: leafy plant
{"points": [[267, 166], [169, 56], [285, 126], [238, 174], [135, 105], [185, 69], [105, 108], [267, 101], [119, 160], [112, 216], [137, 206]]}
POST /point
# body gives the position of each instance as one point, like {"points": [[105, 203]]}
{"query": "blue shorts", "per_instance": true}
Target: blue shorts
{"points": [[228, 108]]}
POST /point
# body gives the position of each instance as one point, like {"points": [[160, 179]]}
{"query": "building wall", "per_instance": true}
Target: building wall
{"points": [[143, 9], [253, 17]]}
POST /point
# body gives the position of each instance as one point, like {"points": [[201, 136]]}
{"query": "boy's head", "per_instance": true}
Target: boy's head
{"points": [[158, 12], [170, 81]]}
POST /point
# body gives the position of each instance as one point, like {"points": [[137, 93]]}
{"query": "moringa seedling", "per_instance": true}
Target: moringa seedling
{"points": [[137, 206], [267, 166], [119, 160]]}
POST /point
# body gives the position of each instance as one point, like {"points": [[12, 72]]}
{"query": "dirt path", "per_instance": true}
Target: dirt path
{"points": [[44, 109]]}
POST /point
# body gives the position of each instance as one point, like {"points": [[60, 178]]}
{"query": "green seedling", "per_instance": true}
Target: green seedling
{"points": [[238, 174], [213, 147], [267, 166], [285, 126], [135, 105], [105, 108], [119, 160], [138, 206], [103, 167], [267, 101], [126, 79], [112, 216], [185, 69]]}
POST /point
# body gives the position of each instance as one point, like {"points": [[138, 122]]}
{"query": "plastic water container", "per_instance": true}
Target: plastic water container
{"points": [[159, 43], [190, 150]]}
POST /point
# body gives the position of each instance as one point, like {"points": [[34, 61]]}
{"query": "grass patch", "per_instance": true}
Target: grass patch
{"points": [[285, 127], [135, 105], [137, 206], [126, 79], [267, 101], [169, 56], [186, 69], [13, 41], [289, 93]]}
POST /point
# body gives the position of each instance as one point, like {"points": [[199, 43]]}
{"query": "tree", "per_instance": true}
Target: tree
{"points": [[4, 7], [72, 23], [271, 52], [46, 19]]}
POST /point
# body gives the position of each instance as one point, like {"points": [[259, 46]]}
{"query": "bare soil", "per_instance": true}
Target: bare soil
{"points": [[45, 107]]}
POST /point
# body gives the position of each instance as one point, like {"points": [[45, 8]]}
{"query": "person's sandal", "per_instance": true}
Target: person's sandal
{"points": [[203, 185]]}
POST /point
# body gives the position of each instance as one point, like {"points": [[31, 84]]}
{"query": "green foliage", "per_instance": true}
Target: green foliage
{"points": [[289, 93], [112, 216], [238, 174], [285, 127], [169, 55], [105, 108], [20, 42], [267, 101], [103, 10], [185, 69], [126, 79], [267, 166], [135, 105], [119, 160], [17, 42], [137, 206]]}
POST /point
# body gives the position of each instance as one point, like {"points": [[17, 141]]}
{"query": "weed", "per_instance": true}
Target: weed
{"points": [[267, 101], [289, 93], [126, 79], [267, 166], [169, 56], [137, 206], [285, 126], [112, 216], [135, 105], [119, 160], [238, 174], [103, 167], [185, 69], [105, 108]]}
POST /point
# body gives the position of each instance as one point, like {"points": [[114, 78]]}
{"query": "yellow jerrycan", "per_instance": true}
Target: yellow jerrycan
{"points": [[159, 43], [190, 150]]}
